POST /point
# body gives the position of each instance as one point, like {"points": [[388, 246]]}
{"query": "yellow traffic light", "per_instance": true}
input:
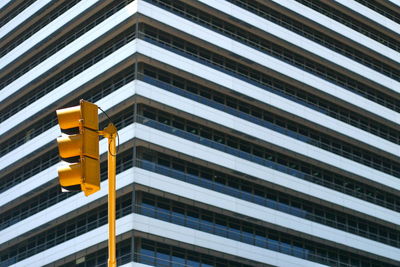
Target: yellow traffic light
{"points": [[79, 146]]}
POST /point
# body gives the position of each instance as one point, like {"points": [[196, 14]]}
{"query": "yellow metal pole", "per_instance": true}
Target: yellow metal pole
{"points": [[110, 132]]}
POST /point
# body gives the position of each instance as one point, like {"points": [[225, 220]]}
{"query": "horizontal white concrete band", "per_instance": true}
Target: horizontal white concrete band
{"points": [[217, 243], [169, 184], [253, 169], [390, 115], [32, 145], [69, 86], [395, 2], [266, 60], [213, 198], [371, 15], [339, 28], [270, 98], [170, 231], [46, 31], [255, 92], [23, 16], [221, 118], [134, 264], [3, 3], [302, 42], [61, 208], [51, 134], [265, 214], [126, 134], [262, 133], [28, 185], [159, 95], [267, 174], [100, 234], [64, 53], [215, 76], [205, 72]]}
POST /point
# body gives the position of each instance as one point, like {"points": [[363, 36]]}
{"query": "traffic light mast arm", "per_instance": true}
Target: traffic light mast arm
{"points": [[110, 132]]}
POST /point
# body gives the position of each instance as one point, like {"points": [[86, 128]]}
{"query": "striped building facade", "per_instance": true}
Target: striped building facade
{"points": [[252, 132]]}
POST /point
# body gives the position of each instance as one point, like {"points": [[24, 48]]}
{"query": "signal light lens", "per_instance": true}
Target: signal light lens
{"points": [[69, 145], [70, 174]]}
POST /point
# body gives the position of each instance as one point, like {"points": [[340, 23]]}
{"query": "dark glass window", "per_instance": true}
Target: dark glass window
{"points": [[60, 43], [103, 89], [280, 124], [253, 234], [271, 159], [64, 231], [352, 23], [69, 72], [261, 195], [42, 22], [282, 53]]}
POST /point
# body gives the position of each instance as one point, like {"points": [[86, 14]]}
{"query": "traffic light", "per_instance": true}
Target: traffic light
{"points": [[78, 145]]}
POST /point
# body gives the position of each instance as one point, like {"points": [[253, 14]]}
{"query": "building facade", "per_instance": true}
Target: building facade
{"points": [[251, 132]]}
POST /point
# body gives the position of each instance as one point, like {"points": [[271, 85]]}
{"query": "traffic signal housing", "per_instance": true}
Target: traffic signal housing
{"points": [[78, 145]]}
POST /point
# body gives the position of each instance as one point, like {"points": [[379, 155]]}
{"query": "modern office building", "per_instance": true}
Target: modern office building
{"points": [[251, 132]]}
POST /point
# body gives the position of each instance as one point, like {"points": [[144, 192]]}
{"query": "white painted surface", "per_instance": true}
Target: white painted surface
{"points": [[232, 162], [23, 16], [45, 32], [49, 174], [267, 61], [371, 14], [304, 43], [335, 26], [171, 231]]}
